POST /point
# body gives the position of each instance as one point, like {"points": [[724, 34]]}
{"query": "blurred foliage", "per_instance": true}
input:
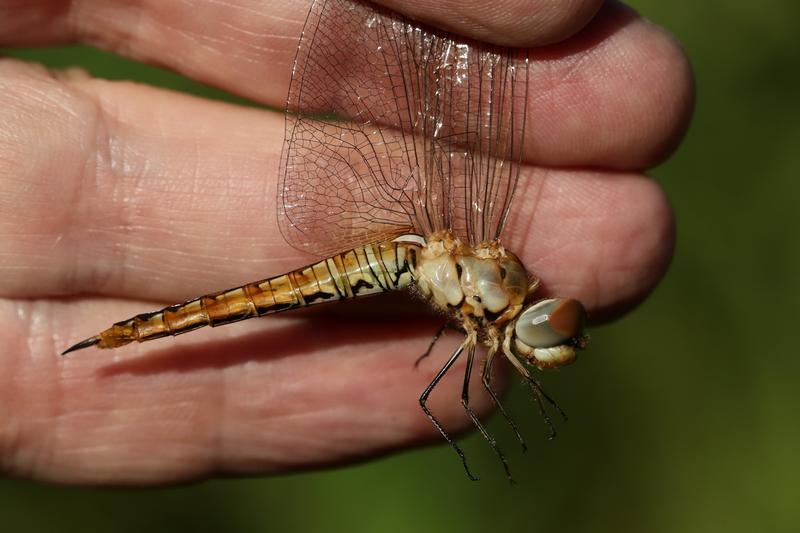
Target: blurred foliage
{"points": [[683, 414]]}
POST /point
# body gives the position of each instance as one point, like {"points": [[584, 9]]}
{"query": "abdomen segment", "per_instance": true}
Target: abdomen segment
{"points": [[358, 272]]}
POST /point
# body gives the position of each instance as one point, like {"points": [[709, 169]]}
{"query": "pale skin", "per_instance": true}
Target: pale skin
{"points": [[116, 198]]}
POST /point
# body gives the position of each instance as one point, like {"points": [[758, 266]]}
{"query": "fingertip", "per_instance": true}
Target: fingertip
{"points": [[556, 21], [618, 95], [642, 249], [604, 238], [518, 23]]}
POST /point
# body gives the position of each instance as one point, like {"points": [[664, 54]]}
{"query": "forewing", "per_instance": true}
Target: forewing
{"points": [[392, 127]]}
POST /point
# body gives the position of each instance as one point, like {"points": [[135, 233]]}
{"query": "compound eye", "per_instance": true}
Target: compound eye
{"points": [[550, 323]]}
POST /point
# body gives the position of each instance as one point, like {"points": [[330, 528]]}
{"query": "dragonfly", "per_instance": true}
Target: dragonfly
{"points": [[403, 147]]}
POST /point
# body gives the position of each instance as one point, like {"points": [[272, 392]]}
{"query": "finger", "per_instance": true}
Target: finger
{"points": [[264, 396], [129, 191], [604, 238], [505, 22], [618, 94]]}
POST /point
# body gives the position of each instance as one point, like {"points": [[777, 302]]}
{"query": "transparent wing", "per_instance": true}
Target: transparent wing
{"points": [[393, 127]]}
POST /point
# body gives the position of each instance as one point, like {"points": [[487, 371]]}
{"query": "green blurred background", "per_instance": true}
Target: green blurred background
{"points": [[683, 415]]}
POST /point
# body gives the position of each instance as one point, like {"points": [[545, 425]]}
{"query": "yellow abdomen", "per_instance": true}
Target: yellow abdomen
{"points": [[358, 272]]}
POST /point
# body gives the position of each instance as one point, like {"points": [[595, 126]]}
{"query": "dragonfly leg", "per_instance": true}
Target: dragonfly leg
{"points": [[423, 399], [436, 337], [532, 287], [487, 378], [538, 392], [475, 420]]}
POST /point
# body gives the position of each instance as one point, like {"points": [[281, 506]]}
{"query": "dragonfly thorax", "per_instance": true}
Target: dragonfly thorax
{"points": [[487, 291], [485, 282]]}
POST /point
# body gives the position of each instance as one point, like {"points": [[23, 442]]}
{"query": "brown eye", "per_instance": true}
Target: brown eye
{"points": [[551, 323]]}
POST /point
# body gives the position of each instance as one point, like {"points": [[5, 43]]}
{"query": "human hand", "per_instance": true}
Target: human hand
{"points": [[116, 196]]}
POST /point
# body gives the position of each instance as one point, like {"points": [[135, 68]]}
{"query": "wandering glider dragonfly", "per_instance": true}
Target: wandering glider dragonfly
{"points": [[403, 148]]}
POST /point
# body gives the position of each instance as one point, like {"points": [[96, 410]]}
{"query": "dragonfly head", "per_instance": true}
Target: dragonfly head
{"points": [[548, 333]]}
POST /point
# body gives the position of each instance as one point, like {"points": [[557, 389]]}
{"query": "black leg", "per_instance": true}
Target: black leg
{"points": [[474, 417], [487, 377], [539, 394], [436, 337], [424, 398]]}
